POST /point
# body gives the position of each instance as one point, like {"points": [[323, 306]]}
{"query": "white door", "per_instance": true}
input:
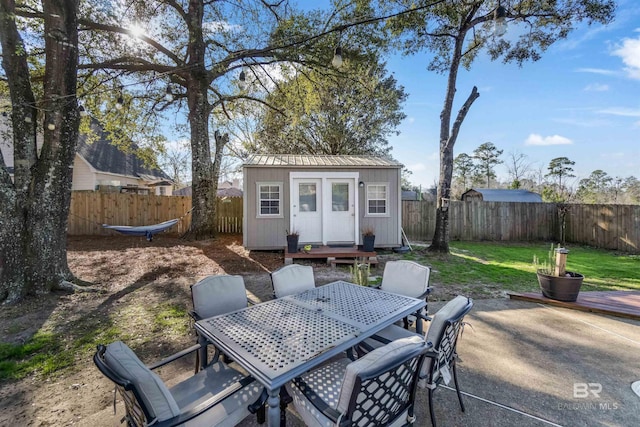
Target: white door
{"points": [[306, 209], [340, 210]]}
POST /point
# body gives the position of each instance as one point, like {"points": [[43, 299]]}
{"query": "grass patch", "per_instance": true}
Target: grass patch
{"points": [[510, 266], [172, 318], [46, 353], [42, 353]]}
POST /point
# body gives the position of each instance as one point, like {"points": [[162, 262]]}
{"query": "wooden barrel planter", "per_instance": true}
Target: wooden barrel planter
{"points": [[563, 288]]}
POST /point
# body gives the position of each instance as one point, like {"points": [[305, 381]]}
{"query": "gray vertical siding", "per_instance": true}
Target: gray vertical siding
{"points": [[265, 233], [387, 229]]}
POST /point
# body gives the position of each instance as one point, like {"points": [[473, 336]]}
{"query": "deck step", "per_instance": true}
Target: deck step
{"points": [[346, 254], [373, 261]]}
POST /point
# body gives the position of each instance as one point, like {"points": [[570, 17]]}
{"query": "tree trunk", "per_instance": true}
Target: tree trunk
{"points": [[35, 208], [204, 181], [448, 137]]}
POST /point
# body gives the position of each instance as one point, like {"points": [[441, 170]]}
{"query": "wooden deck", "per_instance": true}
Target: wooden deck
{"points": [[334, 255], [614, 303]]}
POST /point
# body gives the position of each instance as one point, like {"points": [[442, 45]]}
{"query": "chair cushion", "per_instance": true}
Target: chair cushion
{"points": [[292, 279], [207, 383], [452, 309], [405, 278], [215, 295], [390, 333], [155, 395], [372, 362]]}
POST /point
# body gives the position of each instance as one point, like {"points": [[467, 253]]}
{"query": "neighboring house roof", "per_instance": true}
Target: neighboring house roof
{"points": [[184, 191], [307, 161], [410, 195], [502, 195], [106, 157], [229, 192], [222, 192]]}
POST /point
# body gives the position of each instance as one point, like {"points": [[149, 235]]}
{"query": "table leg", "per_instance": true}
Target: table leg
{"points": [[202, 351], [273, 410]]}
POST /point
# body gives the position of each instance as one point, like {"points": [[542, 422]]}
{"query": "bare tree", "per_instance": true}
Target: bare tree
{"points": [[518, 167]]}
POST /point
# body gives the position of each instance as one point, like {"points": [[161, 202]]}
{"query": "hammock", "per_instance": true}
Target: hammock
{"points": [[144, 230]]}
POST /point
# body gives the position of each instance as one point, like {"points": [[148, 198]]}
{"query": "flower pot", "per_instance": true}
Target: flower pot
{"points": [[564, 288], [367, 243], [292, 243]]}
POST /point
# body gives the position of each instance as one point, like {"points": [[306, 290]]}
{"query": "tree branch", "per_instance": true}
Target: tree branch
{"points": [[148, 40], [461, 115], [128, 64]]}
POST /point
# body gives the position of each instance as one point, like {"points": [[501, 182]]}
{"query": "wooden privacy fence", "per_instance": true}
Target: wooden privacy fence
{"points": [[603, 226], [89, 210]]}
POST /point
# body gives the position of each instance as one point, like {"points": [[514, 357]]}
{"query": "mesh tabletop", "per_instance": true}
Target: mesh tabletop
{"points": [[258, 334], [283, 338], [354, 304]]}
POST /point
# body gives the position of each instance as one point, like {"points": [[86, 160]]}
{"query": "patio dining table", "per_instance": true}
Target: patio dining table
{"points": [[278, 340]]}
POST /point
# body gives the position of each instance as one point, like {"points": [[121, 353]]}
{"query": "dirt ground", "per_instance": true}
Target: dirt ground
{"points": [[132, 277]]}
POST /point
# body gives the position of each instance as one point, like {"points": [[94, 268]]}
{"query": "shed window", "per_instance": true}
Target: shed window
{"points": [[269, 199], [340, 197], [377, 199], [307, 197]]}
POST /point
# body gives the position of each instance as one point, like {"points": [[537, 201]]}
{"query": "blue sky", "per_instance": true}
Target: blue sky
{"points": [[581, 101]]}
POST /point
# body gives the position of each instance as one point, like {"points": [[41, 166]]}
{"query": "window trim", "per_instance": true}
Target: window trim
{"points": [[280, 186], [386, 200]]}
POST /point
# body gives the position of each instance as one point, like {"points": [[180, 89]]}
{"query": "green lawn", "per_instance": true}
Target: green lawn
{"points": [[46, 353], [510, 266]]}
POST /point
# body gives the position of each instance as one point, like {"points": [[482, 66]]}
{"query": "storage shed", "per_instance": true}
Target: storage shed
{"points": [[500, 195], [326, 199]]}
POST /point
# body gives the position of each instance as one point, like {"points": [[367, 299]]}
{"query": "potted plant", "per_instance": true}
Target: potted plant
{"points": [[368, 238], [292, 241], [554, 280]]}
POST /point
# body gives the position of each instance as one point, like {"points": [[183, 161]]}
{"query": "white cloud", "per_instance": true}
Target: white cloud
{"points": [[536, 139], [591, 123], [600, 71], [629, 51], [417, 167], [411, 120], [596, 87], [621, 111]]}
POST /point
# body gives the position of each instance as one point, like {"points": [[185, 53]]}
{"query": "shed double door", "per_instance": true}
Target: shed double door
{"points": [[324, 210]]}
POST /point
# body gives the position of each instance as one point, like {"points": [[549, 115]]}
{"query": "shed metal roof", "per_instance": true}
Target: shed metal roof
{"points": [[504, 195], [306, 161]]}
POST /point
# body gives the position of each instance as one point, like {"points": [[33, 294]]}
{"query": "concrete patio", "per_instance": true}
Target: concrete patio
{"points": [[525, 364]]}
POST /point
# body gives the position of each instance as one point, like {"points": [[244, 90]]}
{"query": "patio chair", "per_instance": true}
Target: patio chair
{"points": [[442, 335], [410, 279], [218, 395], [292, 279], [376, 390], [212, 296]]}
